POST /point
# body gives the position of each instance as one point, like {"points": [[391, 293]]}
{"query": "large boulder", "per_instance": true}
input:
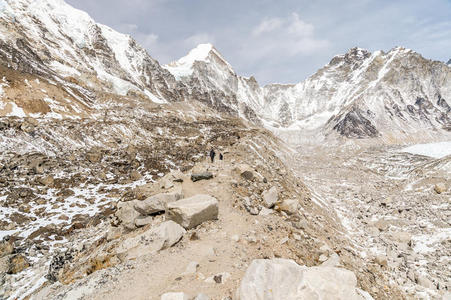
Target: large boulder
{"points": [[201, 176], [193, 211], [157, 203], [161, 237], [285, 279], [270, 197]]}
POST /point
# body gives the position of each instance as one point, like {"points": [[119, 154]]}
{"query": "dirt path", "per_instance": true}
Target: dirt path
{"points": [[224, 247]]}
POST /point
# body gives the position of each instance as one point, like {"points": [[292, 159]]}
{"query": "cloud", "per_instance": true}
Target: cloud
{"points": [[290, 36], [199, 38], [267, 25]]}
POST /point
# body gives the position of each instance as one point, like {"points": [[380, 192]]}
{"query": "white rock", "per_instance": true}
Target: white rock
{"points": [[270, 197], [161, 237], [193, 211], [332, 261], [289, 206], [156, 203], [285, 279], [174, 296], [235, 238], [265, 211], [202, 297], [191, 268]]}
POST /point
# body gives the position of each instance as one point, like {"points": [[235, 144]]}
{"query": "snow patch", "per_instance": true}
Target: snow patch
{"points": [[435, 150]]}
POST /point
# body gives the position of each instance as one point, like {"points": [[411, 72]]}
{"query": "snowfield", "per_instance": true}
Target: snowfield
{"points": [[435, 150]]}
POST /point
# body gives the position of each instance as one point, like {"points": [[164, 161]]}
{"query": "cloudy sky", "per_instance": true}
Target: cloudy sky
{"points": [[278, 41]]}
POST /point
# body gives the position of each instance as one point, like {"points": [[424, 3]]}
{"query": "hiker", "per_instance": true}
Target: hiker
{"points": [[212, 155], [221, 157]]}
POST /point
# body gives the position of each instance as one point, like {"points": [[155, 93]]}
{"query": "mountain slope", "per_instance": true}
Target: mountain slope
{"points": [[52, 40], [357, 95]]}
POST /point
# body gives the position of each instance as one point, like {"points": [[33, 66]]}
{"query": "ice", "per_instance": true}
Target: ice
{"points": [[435, 150]]}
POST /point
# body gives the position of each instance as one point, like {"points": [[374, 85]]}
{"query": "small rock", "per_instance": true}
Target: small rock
{"points": [[440, 188], [17, 264], [270, 197], [235, 238], [401, 237], [381, 260], [289, 206], [135, 175], [174, 296], [191, 268], [6, 248], [265, 211], [332, 261], [201, 176], [220, 278], [47, 181], [193, 211], [425, 282]]}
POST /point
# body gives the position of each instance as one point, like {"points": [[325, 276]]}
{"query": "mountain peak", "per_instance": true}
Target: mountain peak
{"points": [[449, 62], [201, 53]]}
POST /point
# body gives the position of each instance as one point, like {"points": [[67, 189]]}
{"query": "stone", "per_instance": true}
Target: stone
{"points": [[174, 296], [135, 175], [94, 156], [6, 248], [265, 211], [201, 176], [202, 297], [17, 264], [270, 197], [381, 260], [47, 181], [142, 221], [165, 235], [290, 206], [4, 264], [401, 237], [220, 278], [332, 261], [425, 282], [235, 238], [193, 211], [157, 203], [169, 179], [440, 188], [244, 171], [191, 268], [127, 214], [249, 207], [285, 279]]}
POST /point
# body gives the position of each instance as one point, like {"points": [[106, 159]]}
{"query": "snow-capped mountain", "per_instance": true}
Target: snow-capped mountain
{"points": [[358, 94], [51, 39], [207, 74]]}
